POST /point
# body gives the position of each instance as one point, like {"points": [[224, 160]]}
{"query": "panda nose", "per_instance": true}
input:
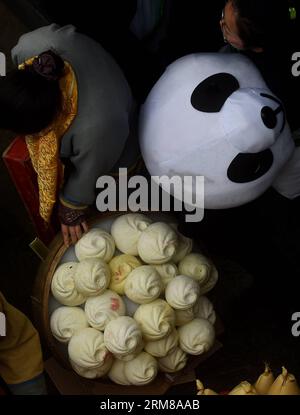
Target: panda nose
{"points": [[251, 120]]}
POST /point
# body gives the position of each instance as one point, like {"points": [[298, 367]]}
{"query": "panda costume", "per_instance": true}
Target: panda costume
{"points": [[213, 115]]}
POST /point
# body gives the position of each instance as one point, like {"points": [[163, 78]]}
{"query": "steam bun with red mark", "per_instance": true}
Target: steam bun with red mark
{"points": [[104, 308]]}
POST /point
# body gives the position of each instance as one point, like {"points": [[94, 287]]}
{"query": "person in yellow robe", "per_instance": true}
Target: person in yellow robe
{"points": [[21, 362]]}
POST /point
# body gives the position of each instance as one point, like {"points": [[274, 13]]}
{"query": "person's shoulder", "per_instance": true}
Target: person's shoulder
{"points": [[48, 32], [227, 49], [32, 43]]}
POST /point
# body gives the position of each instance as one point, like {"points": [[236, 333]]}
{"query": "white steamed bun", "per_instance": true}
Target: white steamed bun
{"points": [[163, 347], [182, 292], [87, 349], [173, 362], [123, 336], [139, 371], [102, 309], [167, 272], [205, 309], [196, 266], [126, 231], [63, 285], [157, 244], [196, 337], [156, 319], [66, 321], [95, 244], [143, 285], [92, 277]]}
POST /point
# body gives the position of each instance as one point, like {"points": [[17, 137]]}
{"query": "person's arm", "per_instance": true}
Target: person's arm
{"points": [[95, 152]]}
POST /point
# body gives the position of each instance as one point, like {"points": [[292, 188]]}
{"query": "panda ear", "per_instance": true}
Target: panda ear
{"points": [[211, 94]]}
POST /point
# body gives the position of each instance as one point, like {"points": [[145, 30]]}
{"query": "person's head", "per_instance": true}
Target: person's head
{"points": [[255, 24], [30, 98]]}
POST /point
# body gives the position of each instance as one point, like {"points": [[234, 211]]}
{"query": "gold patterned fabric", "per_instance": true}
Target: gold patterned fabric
{"points": [[44, 146]]}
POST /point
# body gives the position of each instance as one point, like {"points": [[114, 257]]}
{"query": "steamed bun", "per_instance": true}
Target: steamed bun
{"points": [[87, 349], [157, 244], [196, 337], [117, 373], [126, 231], [102, 309], [143, 285], [121, 266], [196, 266], [94, 372], [185, 316], [184, 247], [139, 371], [95, 244], [128, 357], [163, 347], [212, 281], [167, 272], [156, 319], [63, 285], [182, 292], [123, 337], [142, 370], [92, 276], [66, 321], [173, 362], [204, 309]]}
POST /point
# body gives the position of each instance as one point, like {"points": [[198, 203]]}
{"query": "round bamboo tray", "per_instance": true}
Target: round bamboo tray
{"points": [[44, 304]]}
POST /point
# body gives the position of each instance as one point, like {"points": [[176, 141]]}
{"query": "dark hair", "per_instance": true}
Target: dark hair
{"points": [[262, 23], [30, 98]]}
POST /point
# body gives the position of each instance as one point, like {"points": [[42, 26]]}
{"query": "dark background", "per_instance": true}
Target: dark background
{"points": [[189, 26], [259, 278]]}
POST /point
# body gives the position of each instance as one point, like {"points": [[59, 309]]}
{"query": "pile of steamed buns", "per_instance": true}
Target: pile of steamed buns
{"points": [[128, 315]]}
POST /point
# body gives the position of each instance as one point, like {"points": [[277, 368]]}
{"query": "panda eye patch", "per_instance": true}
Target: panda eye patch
{"points": [[269, 118], [246, 168], [212, 93]]}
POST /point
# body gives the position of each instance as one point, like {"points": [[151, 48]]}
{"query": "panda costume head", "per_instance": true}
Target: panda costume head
{"points": [[213, 115]]}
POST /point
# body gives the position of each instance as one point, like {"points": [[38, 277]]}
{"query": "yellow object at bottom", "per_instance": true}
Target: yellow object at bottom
{"points": [[20, 349]]}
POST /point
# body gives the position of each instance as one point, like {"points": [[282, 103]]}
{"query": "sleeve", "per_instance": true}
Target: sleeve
{"points": [[40, 40], [20, 349], [95, 152]]}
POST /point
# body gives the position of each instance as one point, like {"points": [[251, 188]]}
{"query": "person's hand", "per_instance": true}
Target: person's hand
{"points": [[73, 223], [72, 234]]}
